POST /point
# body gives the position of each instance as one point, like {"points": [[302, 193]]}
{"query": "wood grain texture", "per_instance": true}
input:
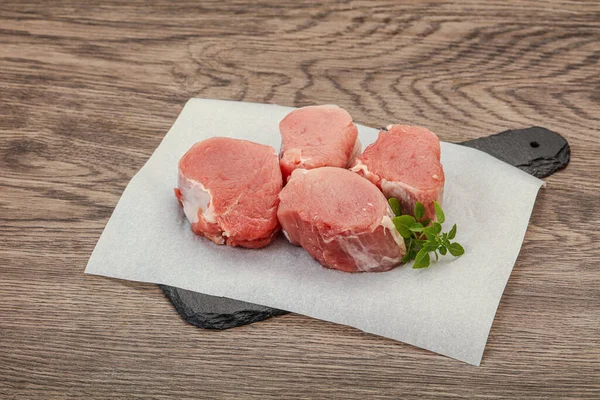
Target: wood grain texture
{"points": [[88, 89]]}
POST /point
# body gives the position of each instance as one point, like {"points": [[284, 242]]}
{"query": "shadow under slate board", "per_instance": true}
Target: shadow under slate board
{"points": [[537, 151]]}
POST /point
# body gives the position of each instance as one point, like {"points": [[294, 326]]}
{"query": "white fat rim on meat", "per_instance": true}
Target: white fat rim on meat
{"points": [[287, 236], [361, 167], [387, 223], [195, 197], [356, 150], [294, 151], [396, 189], [399, 190], [365, 260]]}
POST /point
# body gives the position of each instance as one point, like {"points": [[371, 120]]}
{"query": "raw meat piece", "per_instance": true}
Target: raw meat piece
{"points": [[404, 163], [341, 219], [229, 191], [317, 136]]}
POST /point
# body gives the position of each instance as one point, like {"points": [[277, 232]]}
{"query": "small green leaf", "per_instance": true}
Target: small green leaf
{"points": [[446, 243], [402, 229], [443, 250], [435, 228], [407, 220], [456, 249], [416, 227], [409, 244], [428, 234], [430, 246], [439, 214], [419, 242], [419, 210], [426, 222], [402, 224], [395, 204], [422, 260], [452, 233]]}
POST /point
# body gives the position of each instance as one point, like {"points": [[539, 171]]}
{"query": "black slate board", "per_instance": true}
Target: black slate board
{"points": [[213, 312], [537, 151]]}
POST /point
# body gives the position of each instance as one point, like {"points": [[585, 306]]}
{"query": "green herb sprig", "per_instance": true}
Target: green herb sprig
{"points": [[422, 237]]}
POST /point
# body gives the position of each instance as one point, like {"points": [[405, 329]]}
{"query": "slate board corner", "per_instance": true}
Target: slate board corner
{"points": [[217, 313]]}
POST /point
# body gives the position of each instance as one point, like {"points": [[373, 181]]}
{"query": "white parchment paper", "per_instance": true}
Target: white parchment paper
{"points": [[447, 308]]}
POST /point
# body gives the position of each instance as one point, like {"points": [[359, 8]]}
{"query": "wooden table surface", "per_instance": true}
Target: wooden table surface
{"points": [[88, 89]]}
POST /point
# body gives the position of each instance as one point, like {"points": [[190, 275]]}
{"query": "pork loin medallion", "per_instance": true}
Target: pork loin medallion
{"points": [[317, 136], [404, 162], [341, 219], [229, 191]]}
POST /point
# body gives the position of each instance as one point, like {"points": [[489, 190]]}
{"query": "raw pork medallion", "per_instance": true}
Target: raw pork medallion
{"points": [[341, 219], [318, 136], [229, 191], [404, 163]]}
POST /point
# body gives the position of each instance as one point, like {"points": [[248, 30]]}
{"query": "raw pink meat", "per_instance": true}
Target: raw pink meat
{"points": [[318, 136], [229, 191], [341, 219], [404, 163]]}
